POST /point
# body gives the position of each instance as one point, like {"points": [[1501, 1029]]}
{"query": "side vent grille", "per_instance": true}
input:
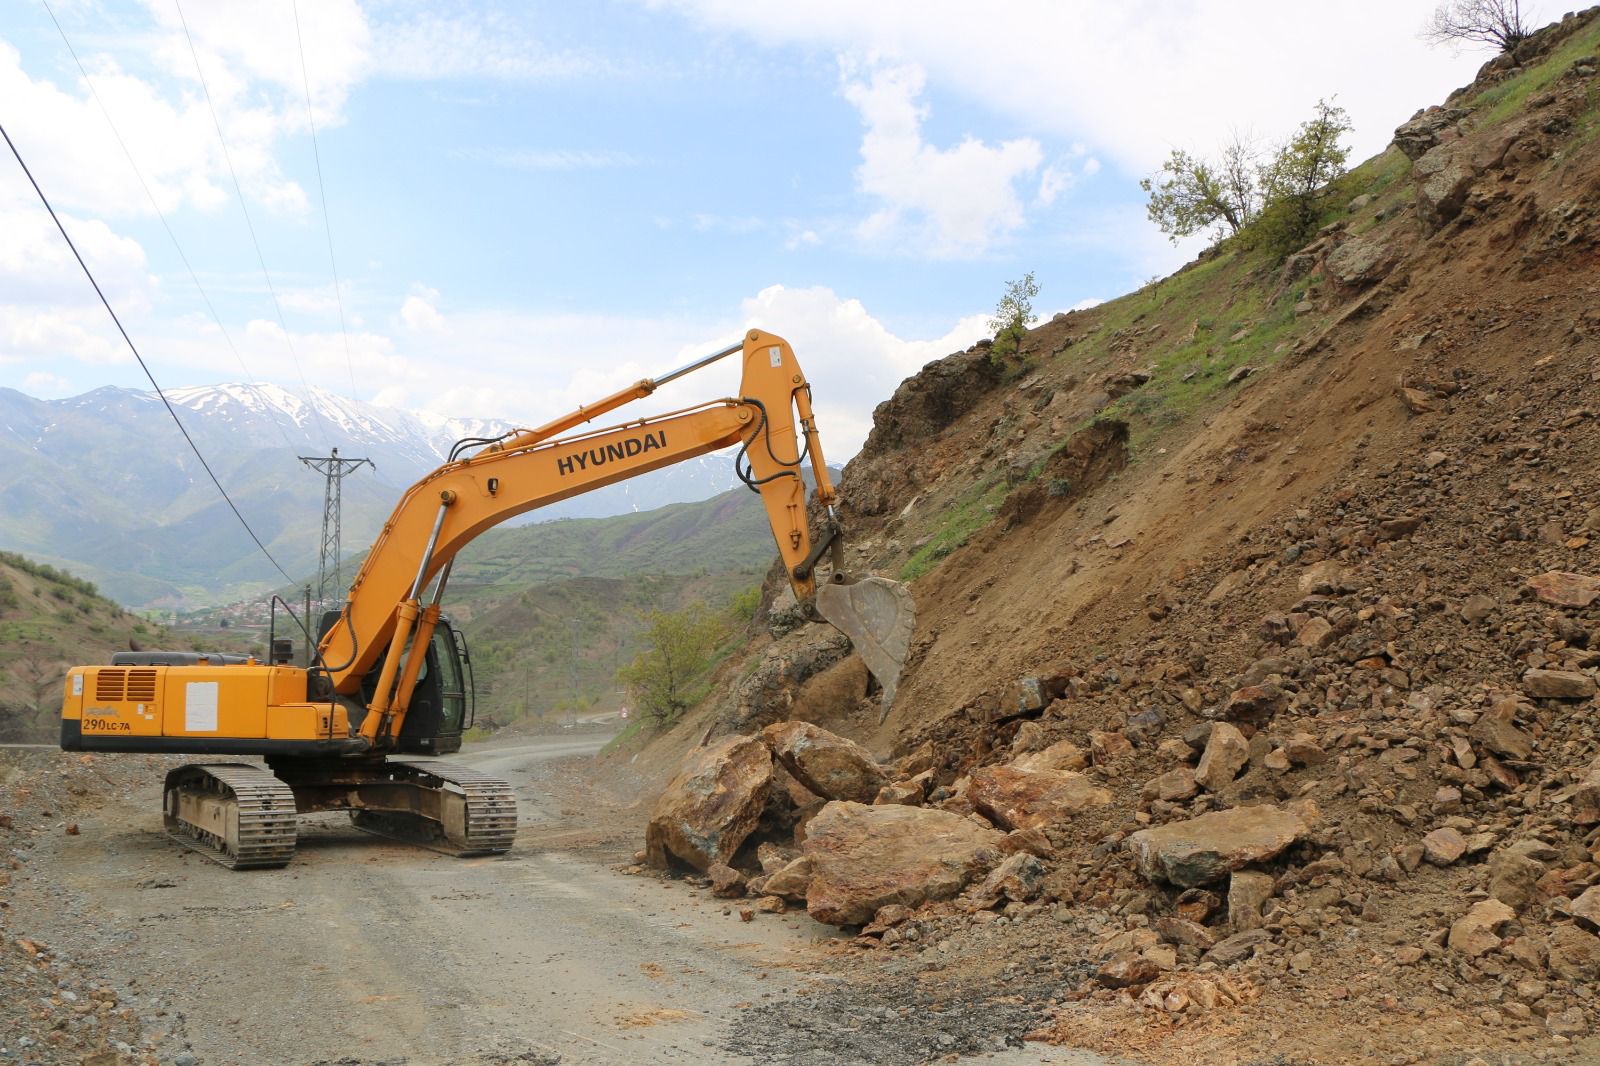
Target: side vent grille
{"points": [[142, 686], [110, 685]]}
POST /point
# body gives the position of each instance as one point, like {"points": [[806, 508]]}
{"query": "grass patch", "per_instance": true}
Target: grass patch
{"points": [[1501, 101], [634, 727], [969, 515]]}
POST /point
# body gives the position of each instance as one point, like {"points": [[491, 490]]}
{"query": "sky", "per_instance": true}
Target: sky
{"points": [[531, 204]]}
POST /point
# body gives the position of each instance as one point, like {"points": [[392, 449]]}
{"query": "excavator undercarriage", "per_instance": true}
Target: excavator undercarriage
{"points": [[243, 816]]}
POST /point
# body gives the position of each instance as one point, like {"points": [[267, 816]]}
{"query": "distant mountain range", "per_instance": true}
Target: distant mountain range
{"points": [[104, 485]]}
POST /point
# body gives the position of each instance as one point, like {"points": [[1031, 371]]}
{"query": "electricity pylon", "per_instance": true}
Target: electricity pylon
{"points": [[333, 470]]}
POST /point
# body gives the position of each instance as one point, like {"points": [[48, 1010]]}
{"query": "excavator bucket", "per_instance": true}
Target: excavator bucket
{"points": [[877, 615]]}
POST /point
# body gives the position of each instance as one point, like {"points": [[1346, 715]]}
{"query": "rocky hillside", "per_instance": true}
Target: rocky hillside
{"points": [[1258, 635]]}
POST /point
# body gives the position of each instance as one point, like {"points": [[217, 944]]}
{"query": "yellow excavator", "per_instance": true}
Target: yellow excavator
{"points": [[389, 676]]}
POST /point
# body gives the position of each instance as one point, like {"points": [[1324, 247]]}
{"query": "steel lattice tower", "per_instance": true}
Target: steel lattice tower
{"points": [[333, 470]]}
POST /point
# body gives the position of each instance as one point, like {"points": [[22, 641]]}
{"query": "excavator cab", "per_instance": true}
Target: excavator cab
{"points": [[441, 706]]}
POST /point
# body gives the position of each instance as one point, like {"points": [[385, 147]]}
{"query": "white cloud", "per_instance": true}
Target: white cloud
{"points": [[1131, 81], [530, 368], [43, 384], [949, 203], [419, 313]]}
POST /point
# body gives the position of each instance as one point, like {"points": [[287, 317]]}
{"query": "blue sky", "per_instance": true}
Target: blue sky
{"points": [[534, 203]]}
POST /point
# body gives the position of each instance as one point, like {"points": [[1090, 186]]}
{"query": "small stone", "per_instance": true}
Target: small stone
{"points": [[1566, 589], [1317, 633], [1174, 786], [1395, 528], [1248, 890], [1558, 684], [1125, 969], [1226, 754], [1410, 956], [1568, 1023], [726, 882], [1181, 931], [1477, 932], [1442, 847], [1303, 750], [1277, 760], [1586, 909], [1477, 607], [1238, 947], [1416, 401]]}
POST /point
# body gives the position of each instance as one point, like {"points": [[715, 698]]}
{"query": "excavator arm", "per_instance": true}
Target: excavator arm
{"points": [[771, 421]]}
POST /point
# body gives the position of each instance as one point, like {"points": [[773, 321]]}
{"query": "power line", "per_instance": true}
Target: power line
{"points": [[156, 206], [322, 194], [131, 347], [250, 225]]}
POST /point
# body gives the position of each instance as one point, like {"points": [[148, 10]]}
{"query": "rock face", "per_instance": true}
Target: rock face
{"points": [[863, 858], [1213, 845], [1425, 130], [832, 766], [1444, 177], [1022, 799], [712, 805]]}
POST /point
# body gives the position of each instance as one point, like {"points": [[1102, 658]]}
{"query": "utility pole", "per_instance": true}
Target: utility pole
{"points": [[333, 470]]}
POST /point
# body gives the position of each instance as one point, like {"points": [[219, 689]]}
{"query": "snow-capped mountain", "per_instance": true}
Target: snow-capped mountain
{"points": [[104, 484]]}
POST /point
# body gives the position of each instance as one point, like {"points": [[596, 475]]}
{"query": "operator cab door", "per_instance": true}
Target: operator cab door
{"points": [[438, 709]]}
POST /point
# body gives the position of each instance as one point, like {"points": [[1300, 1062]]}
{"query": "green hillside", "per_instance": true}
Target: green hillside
{"points": [[49, 621], [552, 610]]}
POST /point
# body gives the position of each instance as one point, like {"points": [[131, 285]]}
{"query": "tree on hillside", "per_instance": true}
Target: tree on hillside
{"points": [[1013, 315], [1495, 22], [1191, 194], [668, 677], [1274, 202], [1292, 183]]}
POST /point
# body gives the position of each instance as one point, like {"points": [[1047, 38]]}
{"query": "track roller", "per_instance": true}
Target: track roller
{"points": [[238, 815]]}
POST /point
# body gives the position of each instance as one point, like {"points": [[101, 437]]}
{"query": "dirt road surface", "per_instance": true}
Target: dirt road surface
{"points": [[366, 952]]}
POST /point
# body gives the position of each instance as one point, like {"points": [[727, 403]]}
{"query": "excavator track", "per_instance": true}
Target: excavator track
{"points": [[237, 815], [478, 813]]}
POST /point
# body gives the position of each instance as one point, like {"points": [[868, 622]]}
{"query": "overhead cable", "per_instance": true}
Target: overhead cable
{"points": [[134, 349]]}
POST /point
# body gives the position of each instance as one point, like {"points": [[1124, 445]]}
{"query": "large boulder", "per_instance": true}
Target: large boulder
{"points": [[1209, 847], [866, 857], [1362, 260], [711, 805], [832, 766], [1014, 798]]}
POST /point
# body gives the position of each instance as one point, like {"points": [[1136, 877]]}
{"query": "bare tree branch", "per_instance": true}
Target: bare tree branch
{"points": [[1493, 22]]}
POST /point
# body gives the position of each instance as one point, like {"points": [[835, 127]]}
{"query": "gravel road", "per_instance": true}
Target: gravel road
{"points": [[365, 952]]}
